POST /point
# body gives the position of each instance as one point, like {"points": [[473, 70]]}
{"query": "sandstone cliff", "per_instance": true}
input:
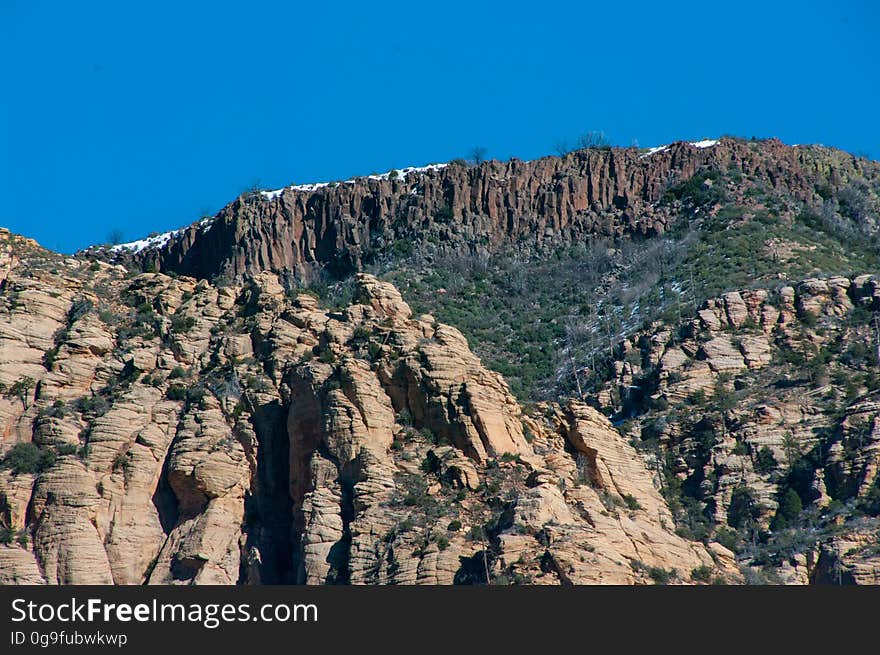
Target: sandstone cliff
{"points": [[764, 415], [164, 430], [216, 423]]}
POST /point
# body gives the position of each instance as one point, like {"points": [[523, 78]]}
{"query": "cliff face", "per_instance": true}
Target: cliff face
{"points": [[164, 430], [538, 204], [207, 424], [764, 409]]}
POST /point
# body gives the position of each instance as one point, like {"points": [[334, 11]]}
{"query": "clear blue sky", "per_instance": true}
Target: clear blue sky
{"points": [[143, 116]]}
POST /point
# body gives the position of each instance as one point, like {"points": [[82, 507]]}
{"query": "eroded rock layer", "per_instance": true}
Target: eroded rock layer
{"points": [[541, 204], [163, 430]]}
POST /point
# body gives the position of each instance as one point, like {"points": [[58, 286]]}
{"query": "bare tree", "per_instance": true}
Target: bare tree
{"points": [[562, 148], [115, 237], [478, 155], [593, 140]]}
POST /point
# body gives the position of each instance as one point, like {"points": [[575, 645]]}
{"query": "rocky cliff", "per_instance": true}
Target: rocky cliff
{"points": [[696, 325], [762, 411], [536, 205], [159, 429]]}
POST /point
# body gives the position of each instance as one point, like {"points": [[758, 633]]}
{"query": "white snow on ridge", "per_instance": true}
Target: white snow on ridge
{"points": [[705, 143], [159, 240], [403, 172], [271, 195], [205, 224], [314, 186], [653, 150], [150, 242]]}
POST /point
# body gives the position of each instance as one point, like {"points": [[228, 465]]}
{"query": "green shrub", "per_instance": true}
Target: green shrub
{"points": [[96, 405], [67, 449], [476, 533], [327, 356], [180, 324], [361, 333], [256, 383], [26, 457], [765, 461], [177, 372], [701, 189], [702, 574], [661, 576], [176, 392], [120, 461], [743, 509], [402, 248], [870, 502], [790, 507], [660, 403], [57, 410], [444, 214], [49, 358], [727, 538]]}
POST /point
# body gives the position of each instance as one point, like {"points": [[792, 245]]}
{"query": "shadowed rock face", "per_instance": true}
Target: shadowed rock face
{"points": [[540, 204], [229, 435]]}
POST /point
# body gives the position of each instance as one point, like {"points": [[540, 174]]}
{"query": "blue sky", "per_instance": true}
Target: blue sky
{"points": [[143, 117]]}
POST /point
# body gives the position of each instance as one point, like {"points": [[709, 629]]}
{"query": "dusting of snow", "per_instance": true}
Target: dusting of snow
{"points": [[401, 173], [271, 195], [205, 224], [705, 143], [159, 240], [653, 150], [150, 242]]}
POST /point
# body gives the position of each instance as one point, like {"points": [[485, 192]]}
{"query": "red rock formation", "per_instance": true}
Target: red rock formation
{"points": [[547, 202]]}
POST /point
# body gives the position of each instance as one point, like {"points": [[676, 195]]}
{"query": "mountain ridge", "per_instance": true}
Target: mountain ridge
{"points": [[615, 366], [540, 204]]}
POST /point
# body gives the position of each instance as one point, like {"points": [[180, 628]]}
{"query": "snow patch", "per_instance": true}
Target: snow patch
{"points": [[150, 242], [401, 173], [653, 150], [159, 240], [705, 143]]}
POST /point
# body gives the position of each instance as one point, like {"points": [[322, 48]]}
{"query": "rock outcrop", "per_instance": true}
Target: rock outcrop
{"points": [[762, 394], [193, 434], [539, 205], [180, 411]]}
